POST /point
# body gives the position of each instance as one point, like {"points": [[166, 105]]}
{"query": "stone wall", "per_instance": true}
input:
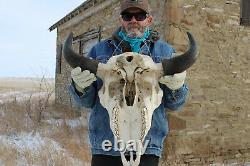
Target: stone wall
{"points": [[214, 126]]}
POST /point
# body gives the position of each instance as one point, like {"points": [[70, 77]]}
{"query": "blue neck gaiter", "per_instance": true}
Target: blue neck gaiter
{"points": [[135, 43]]}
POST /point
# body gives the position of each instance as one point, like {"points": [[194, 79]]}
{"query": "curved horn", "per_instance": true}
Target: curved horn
{"points": [[182, 62], [75, 60]]}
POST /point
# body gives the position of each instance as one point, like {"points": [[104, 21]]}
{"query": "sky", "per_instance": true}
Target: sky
{"points": [[28, 48]]}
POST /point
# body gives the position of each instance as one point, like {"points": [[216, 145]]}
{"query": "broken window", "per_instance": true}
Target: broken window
{"points": [[87, 40], [245, 12]]}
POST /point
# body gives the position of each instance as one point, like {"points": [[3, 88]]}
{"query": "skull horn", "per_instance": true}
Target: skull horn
{"points": [[76, 60], [182, 62]]}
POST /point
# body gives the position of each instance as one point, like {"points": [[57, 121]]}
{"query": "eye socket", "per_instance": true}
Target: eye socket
{"points": [[122, 81], [139, 70]]}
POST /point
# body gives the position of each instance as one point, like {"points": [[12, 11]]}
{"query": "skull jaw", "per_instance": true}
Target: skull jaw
{"points": [[126, 127], [130, 123], [132, 161]]}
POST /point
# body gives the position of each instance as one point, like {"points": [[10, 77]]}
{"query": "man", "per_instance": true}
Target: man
{"points": [[134, 35]]}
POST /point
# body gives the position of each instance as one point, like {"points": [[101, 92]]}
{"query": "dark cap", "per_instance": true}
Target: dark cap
{"points": [[141, 4]]}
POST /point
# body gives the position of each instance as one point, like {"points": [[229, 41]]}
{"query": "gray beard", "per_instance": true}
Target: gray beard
{"points": [[137, 32]]}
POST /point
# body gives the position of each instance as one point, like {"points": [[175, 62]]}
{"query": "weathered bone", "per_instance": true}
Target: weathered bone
{"points": [[130, 93]]}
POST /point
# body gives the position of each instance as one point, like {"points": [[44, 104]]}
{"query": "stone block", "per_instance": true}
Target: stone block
{"points": [[174, 11], [176, 123], [178, 38]]}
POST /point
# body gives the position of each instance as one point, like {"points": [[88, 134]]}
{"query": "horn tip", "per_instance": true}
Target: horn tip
{"points": [[190, 35], [70, 36]]}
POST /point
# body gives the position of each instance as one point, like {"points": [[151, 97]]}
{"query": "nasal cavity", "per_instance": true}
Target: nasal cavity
{"points": [[130, 93], [129, 58]]}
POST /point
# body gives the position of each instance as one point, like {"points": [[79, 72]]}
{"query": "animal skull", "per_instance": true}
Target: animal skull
{"points": [[130, 93], [130, 90]]}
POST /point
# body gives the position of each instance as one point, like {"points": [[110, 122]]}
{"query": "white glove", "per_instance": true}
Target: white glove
{"points": [[82, 79], [175, 81]]}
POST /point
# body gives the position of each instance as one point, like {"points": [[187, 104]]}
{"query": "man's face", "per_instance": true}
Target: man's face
{"points": [[133, 22]]}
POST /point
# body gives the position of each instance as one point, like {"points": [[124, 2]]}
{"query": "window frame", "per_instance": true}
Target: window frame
{"points": [[245, 12], [86, 37]]}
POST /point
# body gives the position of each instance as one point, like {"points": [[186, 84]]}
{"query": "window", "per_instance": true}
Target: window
{"points": [[58, 59], [87, 40], [245, 12], [85, 46]]}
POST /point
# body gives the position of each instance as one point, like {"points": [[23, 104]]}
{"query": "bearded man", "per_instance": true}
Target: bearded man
{"points": [[134, 35]]}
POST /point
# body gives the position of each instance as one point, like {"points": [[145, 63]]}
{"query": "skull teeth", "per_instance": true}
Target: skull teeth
{"points": [[143, 126], [115, 122]]}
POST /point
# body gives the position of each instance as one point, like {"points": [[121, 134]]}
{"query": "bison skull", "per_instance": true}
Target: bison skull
{"points": [[130, 93]]}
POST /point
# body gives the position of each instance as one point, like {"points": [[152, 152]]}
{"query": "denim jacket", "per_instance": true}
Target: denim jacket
{"points": [[99, 127]]}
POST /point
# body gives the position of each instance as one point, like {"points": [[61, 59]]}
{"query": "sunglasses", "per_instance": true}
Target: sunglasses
{"points": [[138, 16]]}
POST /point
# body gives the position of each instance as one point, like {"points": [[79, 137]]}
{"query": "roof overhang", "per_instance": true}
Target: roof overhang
{"points": [[83, 7]]}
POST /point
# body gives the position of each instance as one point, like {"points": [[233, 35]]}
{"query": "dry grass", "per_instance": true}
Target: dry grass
{"points": [[35, 131]]}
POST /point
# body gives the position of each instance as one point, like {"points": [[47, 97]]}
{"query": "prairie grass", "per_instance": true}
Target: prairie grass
{"points": [[36, 131]]}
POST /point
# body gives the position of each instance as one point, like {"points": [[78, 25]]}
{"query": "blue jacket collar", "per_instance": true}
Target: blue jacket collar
{"points": [[120, 46]]}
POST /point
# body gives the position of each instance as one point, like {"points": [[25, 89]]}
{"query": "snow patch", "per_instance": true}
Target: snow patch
{"points": [[28, 142], [19, 96], [37, 147], [55, 122], [72, 123]]}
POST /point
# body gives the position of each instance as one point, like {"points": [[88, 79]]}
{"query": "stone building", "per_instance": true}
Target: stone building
{"points": [[214, 126]]}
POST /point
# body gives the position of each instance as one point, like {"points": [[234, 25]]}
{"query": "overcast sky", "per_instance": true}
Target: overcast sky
{"points": [[27, 48]]}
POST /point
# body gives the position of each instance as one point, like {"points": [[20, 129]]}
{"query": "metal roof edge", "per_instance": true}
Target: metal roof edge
{"points": [[85, 5]]}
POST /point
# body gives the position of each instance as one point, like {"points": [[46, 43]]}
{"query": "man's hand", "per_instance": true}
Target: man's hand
{"points": [[82, 79], [175, 81]]}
